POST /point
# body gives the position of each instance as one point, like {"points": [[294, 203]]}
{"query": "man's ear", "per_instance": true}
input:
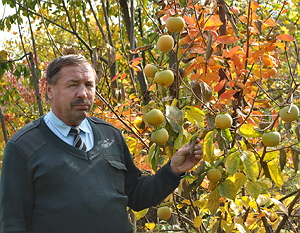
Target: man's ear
{"points": [[49, 91]]}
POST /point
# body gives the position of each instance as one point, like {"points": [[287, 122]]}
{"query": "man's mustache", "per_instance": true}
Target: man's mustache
{"points": [[81, 101]]}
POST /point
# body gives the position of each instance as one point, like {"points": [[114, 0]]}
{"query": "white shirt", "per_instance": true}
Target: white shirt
{"points": [[62, 130]]}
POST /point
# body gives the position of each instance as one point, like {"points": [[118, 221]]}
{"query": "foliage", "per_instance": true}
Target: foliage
{"points": [[240, 58]]}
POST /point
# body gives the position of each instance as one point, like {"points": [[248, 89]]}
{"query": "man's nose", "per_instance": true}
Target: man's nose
{"points": [[82, 91]]}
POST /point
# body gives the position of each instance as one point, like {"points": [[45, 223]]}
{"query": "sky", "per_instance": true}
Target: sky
{"points": [[5, 35]]}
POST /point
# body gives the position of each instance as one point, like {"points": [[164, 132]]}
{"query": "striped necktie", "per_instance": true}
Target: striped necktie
{"points": [[77, 142]]}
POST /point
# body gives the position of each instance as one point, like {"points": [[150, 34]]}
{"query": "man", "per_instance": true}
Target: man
{"points": [[56, 181]]}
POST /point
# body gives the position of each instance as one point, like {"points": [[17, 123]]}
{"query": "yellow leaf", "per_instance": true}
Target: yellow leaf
{"points": [[208, 151], [275, 173], [150, 226], [232, 162], [197, 221], [248, 130], [240, 180], [140, 214], [271, 155], [213, 21], [194, 115], [250, 164]]}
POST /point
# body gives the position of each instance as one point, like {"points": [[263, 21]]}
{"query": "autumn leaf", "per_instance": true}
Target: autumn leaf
{"points": [[285, 37], [232, 162], [248, 130], [250, 164], [227, 189], [197, 221], [213, 201], [194, 115], [275, 173], [227, 94], [212, 22], [227, 39], [253, 188], [208, 146]]}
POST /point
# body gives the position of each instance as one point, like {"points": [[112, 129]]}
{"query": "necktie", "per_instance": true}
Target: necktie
{"points": [[77, 142]]}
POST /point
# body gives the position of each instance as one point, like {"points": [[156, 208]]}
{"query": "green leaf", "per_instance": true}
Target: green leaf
{"points": [[208, 151], [250, 165], [174, 117], [179, 141], [227, 189], [153, 156], [275, 173], [232, 162], [247, 130], [254, 189], [213, 201], [194, 115]]}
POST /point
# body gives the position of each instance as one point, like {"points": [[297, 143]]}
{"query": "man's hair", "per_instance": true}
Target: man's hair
{"points": [[59, 62]]}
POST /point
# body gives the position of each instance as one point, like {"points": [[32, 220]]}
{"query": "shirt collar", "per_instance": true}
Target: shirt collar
{"points": [[63, 128]]}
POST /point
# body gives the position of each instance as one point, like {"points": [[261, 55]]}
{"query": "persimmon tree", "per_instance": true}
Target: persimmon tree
{"points": [[234, 59]]}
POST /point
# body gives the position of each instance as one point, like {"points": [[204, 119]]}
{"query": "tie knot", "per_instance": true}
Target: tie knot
{"points": [[74, 130]]}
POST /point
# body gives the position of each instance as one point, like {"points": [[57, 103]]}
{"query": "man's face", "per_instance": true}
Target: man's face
{"points": [[72, 96]]}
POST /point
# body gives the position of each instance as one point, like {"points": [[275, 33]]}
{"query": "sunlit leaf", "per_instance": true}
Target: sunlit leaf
{"points": [[275, 173], [150, 226], [250, 165], [280, 205], [194, 115], [271, 155], [226, 39], [227, 94], [285, 37], [213, 21], [208, 151], [232, 162], [140, 214], [248, 130]]}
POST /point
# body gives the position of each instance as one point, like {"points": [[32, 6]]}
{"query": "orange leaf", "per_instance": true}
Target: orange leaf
{"points": [[211, 77], [227, 94], [189, 20], [237, 62], [118, 56], [124, 75], [269, 23], [226, 39], [116, 76], [254, 5], [219, 86], [285, 37], [231, 83]]}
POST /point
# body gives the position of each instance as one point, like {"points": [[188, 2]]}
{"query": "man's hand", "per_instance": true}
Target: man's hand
{"points": [[183, 161]]}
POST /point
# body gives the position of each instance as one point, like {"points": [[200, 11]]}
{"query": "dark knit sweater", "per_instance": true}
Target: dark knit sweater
{"points": [[48, 186]]}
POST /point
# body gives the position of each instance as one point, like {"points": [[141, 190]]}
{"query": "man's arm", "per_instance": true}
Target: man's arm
{"points": [[144, 192], [16, 197]]}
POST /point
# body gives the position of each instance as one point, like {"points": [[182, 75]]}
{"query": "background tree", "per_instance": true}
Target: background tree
{"points": [[231, 79]]}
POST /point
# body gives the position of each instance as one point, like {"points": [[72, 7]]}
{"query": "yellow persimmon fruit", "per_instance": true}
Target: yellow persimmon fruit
{"points": [[165, 43]]}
